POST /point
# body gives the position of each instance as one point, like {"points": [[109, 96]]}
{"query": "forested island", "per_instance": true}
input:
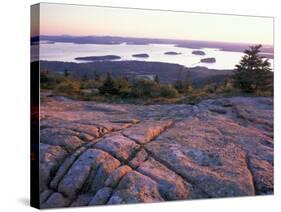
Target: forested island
{"points": [[98, 58]]}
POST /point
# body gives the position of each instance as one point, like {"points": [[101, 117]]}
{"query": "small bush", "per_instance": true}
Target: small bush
{"points": [[168, 91], [145, 88], [210, 87], [179, 85], [122, 86], [227, 87], [183, 86], [47, 81], [85, 85], [69, 87], [96, 84]]}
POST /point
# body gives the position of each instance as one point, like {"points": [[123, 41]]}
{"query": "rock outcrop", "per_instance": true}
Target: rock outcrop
{"points": [[94, 153]]}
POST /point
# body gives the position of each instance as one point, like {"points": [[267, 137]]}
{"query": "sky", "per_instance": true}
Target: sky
{"points": [[61, 19]]}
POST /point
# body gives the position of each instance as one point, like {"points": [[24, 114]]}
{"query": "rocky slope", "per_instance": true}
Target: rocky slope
{"points": [[94, 153]]}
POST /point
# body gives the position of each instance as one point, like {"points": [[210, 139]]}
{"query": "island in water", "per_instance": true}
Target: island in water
{"points": [[172, 53], [208, 60], [141, 55], [198, 52], [98, 58]]}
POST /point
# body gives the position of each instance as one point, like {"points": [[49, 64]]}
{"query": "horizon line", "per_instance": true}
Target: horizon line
{"points": [[218, 41]]}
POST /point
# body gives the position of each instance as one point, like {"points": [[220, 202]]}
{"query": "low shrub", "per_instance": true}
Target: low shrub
{"points": [[145, 88], [47, 81], [168, 91], [69, 87]]}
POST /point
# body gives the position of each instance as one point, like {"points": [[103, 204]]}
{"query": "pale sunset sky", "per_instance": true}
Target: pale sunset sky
{"points": [[60, 19]]}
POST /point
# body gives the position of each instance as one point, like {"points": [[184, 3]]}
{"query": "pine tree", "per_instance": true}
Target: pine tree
{"points": [[156, 79], [97, 76], [66, 73], [85, 77], [178, 84], [188, 82], [253, 71], [183, 84], [108, 86]]}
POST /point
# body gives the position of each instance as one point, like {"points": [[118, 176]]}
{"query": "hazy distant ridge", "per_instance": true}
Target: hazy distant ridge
{"points": [[237, 47]]}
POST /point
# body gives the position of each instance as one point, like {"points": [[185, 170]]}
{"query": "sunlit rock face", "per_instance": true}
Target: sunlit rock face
{"points": [[96, 153]]}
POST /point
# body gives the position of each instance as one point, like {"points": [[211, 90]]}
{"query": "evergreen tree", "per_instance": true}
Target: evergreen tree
{"points": [[156, 79], [44, 76], [85, 77], [188, 82], [108, 86], [178, 84], [253, 71], [209, 87], [97, 76], [66, 73], [183, 85]]}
